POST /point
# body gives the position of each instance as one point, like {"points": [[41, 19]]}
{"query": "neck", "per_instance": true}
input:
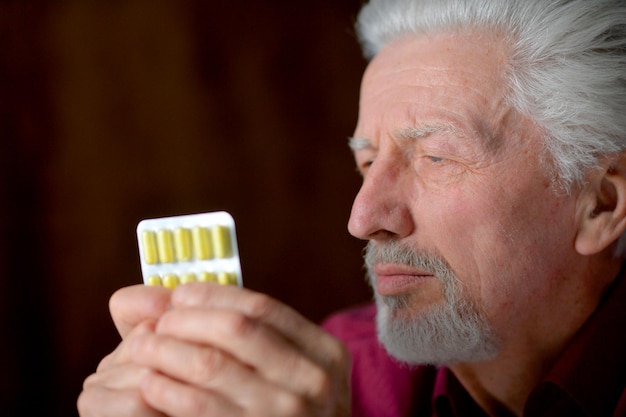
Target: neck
{"points": [[502, 385]]}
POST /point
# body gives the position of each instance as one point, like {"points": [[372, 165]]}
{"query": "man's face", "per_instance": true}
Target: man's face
{"points": [[453, 174]]}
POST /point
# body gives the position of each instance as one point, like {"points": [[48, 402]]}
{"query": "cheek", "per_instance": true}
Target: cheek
{"points": [[495, 241]]}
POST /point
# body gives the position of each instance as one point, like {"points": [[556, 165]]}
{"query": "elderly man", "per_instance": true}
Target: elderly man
{"points": [[491, 141]]}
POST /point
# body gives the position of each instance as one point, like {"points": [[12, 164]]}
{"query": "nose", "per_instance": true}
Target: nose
{"points": [[381, 209]]}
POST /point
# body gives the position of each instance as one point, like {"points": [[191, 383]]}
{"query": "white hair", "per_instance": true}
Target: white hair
{"points": [[567, 65]]}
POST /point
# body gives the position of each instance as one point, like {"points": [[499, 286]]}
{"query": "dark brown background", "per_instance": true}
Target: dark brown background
{"points": [[115, 111]]}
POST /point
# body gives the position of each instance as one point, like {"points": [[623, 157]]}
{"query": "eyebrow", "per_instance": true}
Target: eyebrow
{"points": [[425, 130], [416, 132], [357, 144]]}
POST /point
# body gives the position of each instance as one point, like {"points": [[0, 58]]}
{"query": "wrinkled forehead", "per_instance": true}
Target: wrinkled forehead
{"points": [[469, 61], [448, 79]]}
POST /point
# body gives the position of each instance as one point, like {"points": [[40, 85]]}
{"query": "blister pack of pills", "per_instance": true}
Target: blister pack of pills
{"points": [[189, 248]]}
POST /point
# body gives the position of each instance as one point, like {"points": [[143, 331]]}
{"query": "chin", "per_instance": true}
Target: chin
{"points": [[441, 334]]}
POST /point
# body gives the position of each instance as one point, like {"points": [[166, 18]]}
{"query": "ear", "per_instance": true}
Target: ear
{"points": [[602, 210]]}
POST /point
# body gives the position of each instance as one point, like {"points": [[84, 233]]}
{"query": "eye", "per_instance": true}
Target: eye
{"points": [[365, 166], [362, 167], [435, 159]]}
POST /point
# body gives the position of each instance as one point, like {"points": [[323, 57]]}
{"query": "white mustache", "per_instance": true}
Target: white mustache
{"points": [[396, 253]]}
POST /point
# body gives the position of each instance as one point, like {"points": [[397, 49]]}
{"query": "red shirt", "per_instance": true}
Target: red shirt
{"points": [[589, 379]]}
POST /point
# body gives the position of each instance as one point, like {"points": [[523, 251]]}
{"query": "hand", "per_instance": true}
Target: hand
{"points": [[114, 390], [225, 351], [219, 351]]}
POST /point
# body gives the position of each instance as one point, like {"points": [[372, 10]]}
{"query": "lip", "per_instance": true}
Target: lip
{"points": [[397, 279]]}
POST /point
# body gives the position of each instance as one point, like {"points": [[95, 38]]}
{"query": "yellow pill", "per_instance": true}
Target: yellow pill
{"points": [[182, 243], [154, 281], [150, 254], [187, 277], [207, 277], [165, 244], [202, 245], [170, 281], [221, 242], [226, 278]]}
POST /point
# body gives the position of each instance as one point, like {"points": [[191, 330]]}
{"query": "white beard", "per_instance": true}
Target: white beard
{"points": [[451, 332]]}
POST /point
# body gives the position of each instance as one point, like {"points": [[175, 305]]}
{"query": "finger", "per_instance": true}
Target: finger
{"points": [[276, 359], [204, 366], [135, 304], [120, 354], [120, 377], [98, 401], [182, 400], [207, 368], [308, 337]]}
